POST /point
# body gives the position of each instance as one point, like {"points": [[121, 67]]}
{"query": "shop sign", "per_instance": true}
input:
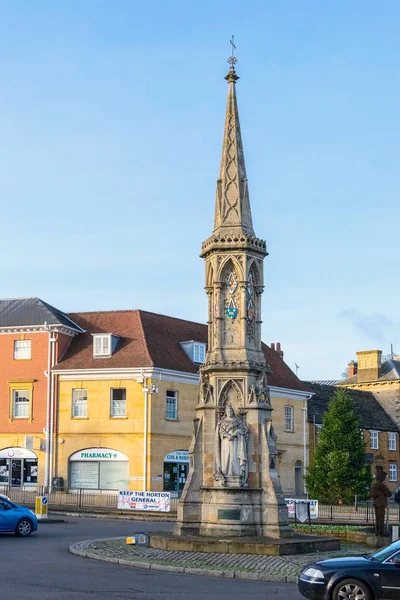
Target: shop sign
{"points": [[17, 453], [291, 502], [177, 456], [147, 501], [90, 454]]}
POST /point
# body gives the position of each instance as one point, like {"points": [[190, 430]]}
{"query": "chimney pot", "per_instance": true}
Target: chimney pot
{"points": [[352, 368], [278, 350], [273, 346]]}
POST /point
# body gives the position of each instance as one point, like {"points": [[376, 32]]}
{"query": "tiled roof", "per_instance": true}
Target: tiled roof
{"points": [[369, 412], [20, 312], [281, 375], [153, 340]]}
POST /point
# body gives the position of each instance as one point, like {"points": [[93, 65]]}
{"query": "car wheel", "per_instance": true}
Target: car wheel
{"points": [[24, 528], [352, 589]]}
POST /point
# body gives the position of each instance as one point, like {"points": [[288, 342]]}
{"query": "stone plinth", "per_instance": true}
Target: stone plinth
{"points": [[298, 544], [234, 511]]}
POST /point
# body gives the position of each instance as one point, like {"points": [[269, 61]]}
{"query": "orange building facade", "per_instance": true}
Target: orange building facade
{"points": [[33, 337]]}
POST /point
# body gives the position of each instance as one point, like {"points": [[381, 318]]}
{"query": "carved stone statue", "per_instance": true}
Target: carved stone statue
{"points": [[206, 389], [261, 389], [231, 459], [271, 439]]}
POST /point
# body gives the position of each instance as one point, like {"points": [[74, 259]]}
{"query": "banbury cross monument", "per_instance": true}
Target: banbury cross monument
{"points": [[233, 486]]}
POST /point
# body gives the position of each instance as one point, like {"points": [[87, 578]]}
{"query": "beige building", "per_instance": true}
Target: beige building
{"points": [[127, 392], [379, 378]]}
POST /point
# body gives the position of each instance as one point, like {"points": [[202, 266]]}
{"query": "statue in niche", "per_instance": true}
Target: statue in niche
{"points": [[261, 389], [271, 439], [206, 389], [231, 461]]}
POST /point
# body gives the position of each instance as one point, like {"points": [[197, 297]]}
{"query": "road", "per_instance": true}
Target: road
{"points": [[41, 568]]}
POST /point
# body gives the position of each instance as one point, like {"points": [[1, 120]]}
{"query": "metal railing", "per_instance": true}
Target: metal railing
{"points": [[362, 512], [84, 499]]}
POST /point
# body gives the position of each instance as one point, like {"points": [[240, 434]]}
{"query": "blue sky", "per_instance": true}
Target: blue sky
{"points": [[111, 120]]}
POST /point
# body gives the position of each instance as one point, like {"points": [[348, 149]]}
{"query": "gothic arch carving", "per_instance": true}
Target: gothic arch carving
{"points": [[254, 269], [226, 398], [229, 264]]}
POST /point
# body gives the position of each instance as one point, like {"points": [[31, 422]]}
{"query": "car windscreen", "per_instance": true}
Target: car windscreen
{"points": [[383, 554]]}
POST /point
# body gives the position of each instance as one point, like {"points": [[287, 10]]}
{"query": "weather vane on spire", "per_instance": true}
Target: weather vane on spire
{"points": [[232, 60]]}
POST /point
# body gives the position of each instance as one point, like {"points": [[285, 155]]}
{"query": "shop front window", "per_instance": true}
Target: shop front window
{"points": [[30, 471], [176, 468], [4, 471], [98, 469], [18, 467]]}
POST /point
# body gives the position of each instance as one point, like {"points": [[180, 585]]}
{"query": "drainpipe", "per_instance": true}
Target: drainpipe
{"points": [[305, 410], [53, 341], [146, 398], [47, 373]]}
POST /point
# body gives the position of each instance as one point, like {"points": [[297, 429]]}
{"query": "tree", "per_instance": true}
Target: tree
{"points": [[338, 471]]}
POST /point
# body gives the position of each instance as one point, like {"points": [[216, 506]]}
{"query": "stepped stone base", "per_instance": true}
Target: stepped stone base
{"points": [[298, 544], [233, 512]]}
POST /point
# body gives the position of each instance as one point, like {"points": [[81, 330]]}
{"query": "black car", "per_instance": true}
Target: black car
{"points": [[366, 577]]}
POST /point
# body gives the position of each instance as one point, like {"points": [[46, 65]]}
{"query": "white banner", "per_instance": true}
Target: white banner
{"points": [[290, 503], [147, 501]]}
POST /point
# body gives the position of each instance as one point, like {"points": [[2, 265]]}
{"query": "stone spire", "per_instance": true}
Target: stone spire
{"points": [[232, 206], [233, 486]]}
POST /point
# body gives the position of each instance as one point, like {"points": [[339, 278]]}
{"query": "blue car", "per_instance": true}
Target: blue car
{"points": [[16, 519]]}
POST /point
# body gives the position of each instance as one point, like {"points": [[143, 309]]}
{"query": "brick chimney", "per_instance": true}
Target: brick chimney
{"points": [[369, 365], [273, 346], [352, 368], [278, 350]]}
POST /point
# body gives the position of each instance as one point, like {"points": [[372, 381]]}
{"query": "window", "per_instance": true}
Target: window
{"points": [[118, 402], [79, 403], [21, 404], [22, 349], [374, 440], [392, 441], [102, 345], [392, 472], [199, 353], [171, 405], [288, 418]]}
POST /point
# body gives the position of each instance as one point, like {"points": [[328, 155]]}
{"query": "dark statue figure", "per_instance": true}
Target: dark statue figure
{"points": [[380, 493]]}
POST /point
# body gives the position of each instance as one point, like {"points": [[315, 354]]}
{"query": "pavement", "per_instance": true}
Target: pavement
{"points": [[283, 569]]}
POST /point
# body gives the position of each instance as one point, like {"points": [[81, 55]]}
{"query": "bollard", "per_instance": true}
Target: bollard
{"points": [[41, 507], [395, 533]]}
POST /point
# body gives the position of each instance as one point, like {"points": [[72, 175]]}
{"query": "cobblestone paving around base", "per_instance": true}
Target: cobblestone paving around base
{"points": [[283, 569]]}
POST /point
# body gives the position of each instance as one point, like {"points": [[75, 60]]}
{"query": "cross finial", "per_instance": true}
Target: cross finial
{"points": [[232, 60]]}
